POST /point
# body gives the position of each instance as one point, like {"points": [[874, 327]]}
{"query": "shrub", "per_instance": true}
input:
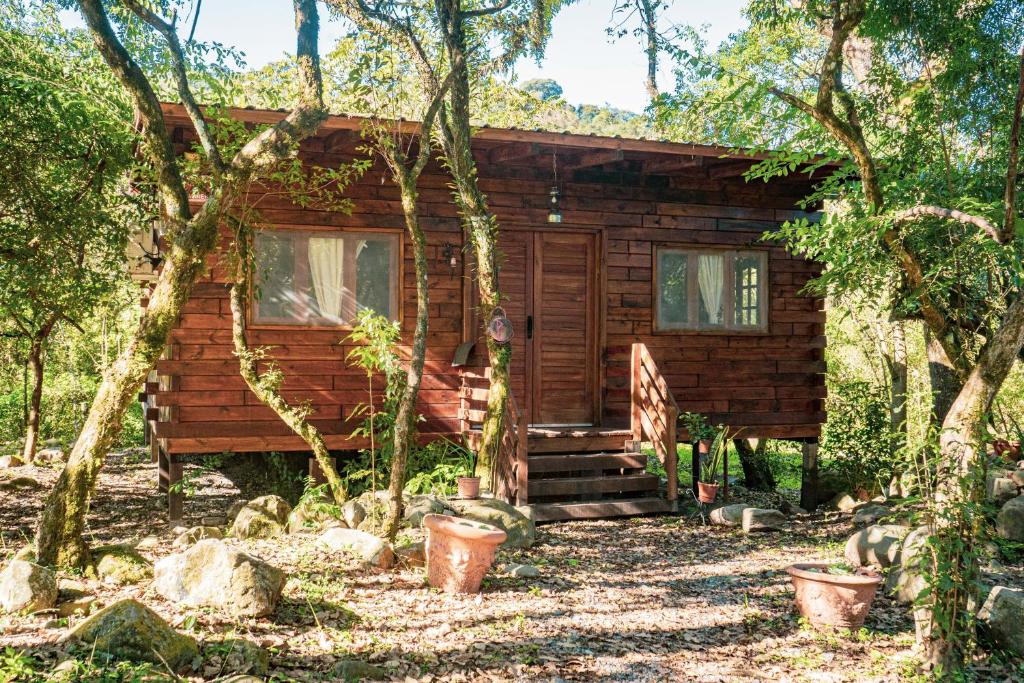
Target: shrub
{"points": [[857, 443]]}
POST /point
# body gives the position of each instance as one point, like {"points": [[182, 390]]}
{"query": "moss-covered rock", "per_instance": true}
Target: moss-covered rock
{"points": [[121, 565], [263, 517], [521, 530], [238, 656], [129, 630], [27, 587], [196, 534]]}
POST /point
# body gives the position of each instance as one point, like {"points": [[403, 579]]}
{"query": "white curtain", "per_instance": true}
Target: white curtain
{"points": [[326, 264], [711, 278]]}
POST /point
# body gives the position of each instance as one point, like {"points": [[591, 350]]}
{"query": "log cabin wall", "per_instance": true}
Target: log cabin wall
{"points": [[770, 383]]}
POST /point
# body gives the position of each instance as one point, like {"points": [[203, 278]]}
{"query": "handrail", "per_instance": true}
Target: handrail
{"points": [[654, 413], [509, 470]]}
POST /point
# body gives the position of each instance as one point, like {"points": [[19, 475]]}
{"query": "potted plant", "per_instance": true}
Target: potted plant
{"points": [[831, 596], [468, 485], [459, 552], [710, 464]]}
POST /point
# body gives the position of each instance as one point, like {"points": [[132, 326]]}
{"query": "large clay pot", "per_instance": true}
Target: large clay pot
{"points": [[706, 493], [468, 487], [832, 599], [459, 552]]}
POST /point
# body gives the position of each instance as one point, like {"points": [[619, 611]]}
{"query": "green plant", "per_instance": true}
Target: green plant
{"points": [[713, 463], [857, 441], [436, 467], [15, 665], [696, 426]]}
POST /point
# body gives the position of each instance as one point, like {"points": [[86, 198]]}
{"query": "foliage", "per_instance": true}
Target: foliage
{"points": [[92, 667], [856, 441], [712, 464], [697, 426], [542, 88], [437, 465]]}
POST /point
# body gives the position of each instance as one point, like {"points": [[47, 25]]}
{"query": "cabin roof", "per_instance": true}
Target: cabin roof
{"points": [[662, 157]]}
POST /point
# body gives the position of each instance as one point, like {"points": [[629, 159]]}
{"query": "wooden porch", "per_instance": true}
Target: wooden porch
{"points": [[573, 472]]}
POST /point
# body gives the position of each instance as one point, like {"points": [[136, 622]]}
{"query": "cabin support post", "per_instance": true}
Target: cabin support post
{"points": [[695, 465], [175, 496], [809, 475], [163, 468], [316, 473]]}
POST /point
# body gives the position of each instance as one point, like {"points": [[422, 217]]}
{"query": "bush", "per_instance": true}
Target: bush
{"points": [[857, 443]]}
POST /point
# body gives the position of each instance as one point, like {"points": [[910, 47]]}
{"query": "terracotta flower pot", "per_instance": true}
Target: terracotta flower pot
{"points": [[706, 493], [469, 487], [459, 552], [832, 599]]}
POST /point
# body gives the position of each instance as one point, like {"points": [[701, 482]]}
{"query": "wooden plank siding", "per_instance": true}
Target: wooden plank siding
{"points": [[770, 383]]}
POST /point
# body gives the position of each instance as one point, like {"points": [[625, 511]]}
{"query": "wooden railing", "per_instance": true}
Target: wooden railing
{"points": [[509, 470], [654, 413]]}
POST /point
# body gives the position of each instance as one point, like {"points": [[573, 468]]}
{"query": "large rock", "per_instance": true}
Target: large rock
{"points": [[353, 513], [757, 519], [373, 551], [213, 574], [999, 486], [878, 545], [728, 515], [121, 565], [520, 528], [238, 656], [418, 507], [129, 630], [196, 534], [25, 586], [313, 513], [843, 502], [1002, 614], [871, 514], [263, 517], [909, 580], [1010, 520]]}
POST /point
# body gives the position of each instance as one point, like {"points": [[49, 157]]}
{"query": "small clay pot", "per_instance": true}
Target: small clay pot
{"points": [[706, 493], [459, 552], [837, 600], [469, 487]]}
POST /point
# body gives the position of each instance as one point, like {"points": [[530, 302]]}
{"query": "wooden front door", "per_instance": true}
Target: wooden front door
{"points": [[549, 283]]}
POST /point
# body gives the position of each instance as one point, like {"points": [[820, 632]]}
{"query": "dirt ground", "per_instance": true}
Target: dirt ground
{"points": [[642, 599]]}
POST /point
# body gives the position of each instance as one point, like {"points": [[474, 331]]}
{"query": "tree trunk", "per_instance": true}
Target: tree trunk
{"points": [[649, 17], [35, 366], [405, 420], [945, 380], [757, 471], [267, 386]]}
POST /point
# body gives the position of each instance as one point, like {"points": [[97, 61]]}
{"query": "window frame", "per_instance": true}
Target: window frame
{"points": [[397, 296], [692, 251]]}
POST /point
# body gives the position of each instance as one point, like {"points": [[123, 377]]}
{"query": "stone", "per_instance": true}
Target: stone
{"points": [[129, 630], [521, 529], [121, 565], [82, 604], [1010, 520], [878, 545], [263, 517], [418, 507], [352, 670], [728, 515], [22, 483], [412, 555], [909, 581], [353, 513], [195, 534], [214, 520], [373, 551], [1002, 615], [843, 502], [757, 519], [26, 552], [148, 543], [999, 486], [27, 587], [312, 513], [234, 509], [49, 456], [239, 656], [213, 574], [871, 513], [523, 571], [6, 461]]}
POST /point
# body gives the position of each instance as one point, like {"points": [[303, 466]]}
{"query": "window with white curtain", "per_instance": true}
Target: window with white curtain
{"points": [[324, 279], [700, 289]]}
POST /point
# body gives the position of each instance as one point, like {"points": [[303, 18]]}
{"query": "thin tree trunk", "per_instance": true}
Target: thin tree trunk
{"points": [[59, 535], [945, 379], [35, 366], [267, 386], [899, 381], [649, 17], [757, 471]]}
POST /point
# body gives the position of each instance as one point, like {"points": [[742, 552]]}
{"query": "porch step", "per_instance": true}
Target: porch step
{"points": [[581, 440], [582, 462], [553, 512], [573, 486]]}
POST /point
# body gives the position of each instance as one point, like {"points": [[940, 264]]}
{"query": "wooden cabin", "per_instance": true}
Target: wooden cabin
{"points": [[653, 294]]}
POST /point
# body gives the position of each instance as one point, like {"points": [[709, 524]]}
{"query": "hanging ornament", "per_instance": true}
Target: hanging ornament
{"points": [[500, 327]]}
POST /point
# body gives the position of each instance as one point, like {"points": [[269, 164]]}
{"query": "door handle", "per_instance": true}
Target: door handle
{"points": [[529, 327]]}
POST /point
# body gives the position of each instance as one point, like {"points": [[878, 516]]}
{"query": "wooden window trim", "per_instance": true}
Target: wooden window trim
{"points": [[397, 296], [692, 251]]}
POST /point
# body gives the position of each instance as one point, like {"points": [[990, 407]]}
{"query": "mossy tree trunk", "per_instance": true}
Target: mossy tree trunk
{"points": [[191, 238], [37, 347], [757, 471]]}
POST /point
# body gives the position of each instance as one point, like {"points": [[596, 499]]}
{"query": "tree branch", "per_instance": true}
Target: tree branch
{"points": [[484, 11], [181, 80], [1013, 161], [929, 211]]}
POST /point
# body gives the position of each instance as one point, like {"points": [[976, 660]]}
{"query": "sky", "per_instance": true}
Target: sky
{"points": [[590, 66]]}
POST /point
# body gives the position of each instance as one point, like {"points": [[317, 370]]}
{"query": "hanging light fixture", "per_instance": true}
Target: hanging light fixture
{"points": [[554, 214]]}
